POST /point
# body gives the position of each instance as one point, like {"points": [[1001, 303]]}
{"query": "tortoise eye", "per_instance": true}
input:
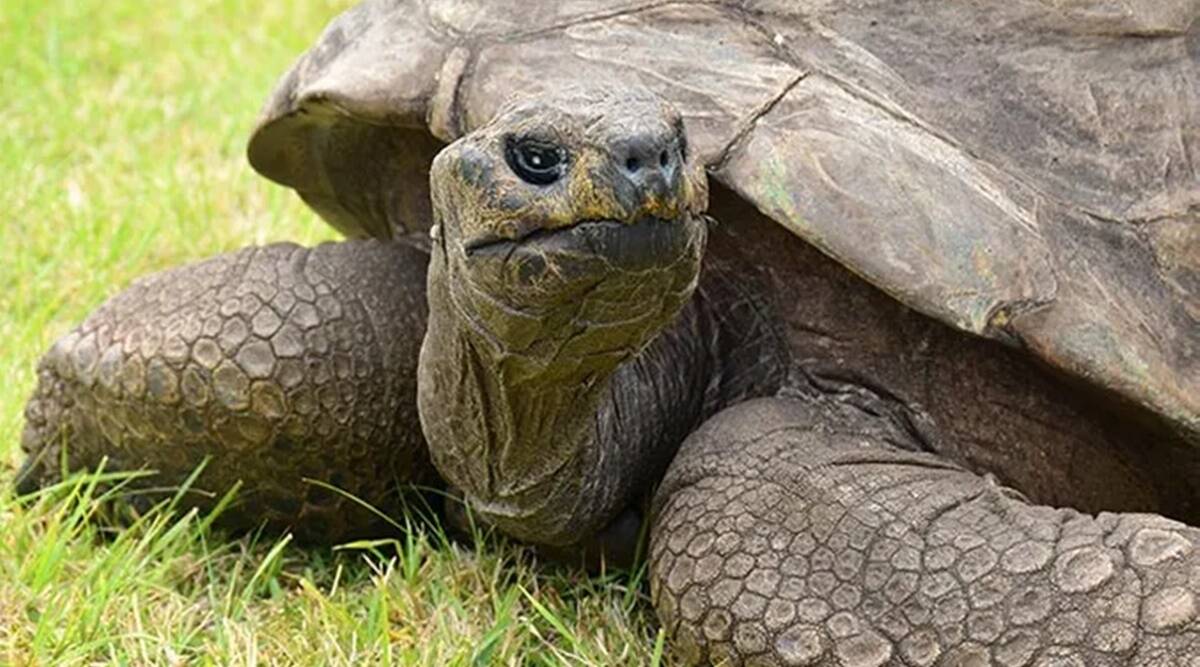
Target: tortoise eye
{"points": [[535, 162]]}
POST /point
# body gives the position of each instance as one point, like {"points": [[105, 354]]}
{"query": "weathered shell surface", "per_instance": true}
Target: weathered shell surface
{"points": [[1024, 170]]}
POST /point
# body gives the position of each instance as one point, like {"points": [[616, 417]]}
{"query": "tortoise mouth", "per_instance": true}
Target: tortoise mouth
{"points": [[490, 243], [648, 242]]}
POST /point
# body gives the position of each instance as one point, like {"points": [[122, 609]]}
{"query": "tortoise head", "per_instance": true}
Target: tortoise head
{"points": [[569, 233], [573, 215]]}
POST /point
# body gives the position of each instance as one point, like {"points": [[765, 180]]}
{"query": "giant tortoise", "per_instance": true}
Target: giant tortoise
{"points": [[882, 314]]}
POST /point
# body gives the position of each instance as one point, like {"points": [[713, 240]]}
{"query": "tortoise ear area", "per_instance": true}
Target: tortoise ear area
{"points": [[456, 174], [474, 166]]}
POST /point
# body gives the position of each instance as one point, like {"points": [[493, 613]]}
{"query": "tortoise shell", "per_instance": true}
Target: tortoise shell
{"points": [[1024, 171]]}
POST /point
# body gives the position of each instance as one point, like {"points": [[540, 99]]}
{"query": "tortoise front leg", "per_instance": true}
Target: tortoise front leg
{"points": [[789, 533], [277, 364]]}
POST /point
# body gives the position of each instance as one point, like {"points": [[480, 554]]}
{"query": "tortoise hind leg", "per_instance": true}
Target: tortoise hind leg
{"points": [[789, 533], [277, 364]]}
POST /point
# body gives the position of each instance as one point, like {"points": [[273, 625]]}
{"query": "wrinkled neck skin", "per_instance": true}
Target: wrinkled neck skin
{"points": [[551, 446]]}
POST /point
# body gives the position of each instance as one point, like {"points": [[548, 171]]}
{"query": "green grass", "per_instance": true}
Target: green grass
{"points": [[122, 131]]}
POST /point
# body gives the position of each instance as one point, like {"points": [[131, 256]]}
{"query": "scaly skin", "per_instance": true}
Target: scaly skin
{"points": [[791, 533], [280, 363]]}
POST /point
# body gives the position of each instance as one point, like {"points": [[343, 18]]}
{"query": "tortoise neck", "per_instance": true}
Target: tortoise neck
{"points": [[551, 454]]}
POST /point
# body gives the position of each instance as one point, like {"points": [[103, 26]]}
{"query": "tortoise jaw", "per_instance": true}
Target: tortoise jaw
{"points": [[568, 280], [492, 242], [532, 233], [645, 243]]}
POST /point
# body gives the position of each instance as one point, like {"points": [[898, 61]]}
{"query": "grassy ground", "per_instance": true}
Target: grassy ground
{"points": [[122, 128]]}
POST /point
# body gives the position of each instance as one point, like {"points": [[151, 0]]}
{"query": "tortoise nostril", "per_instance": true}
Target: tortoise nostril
{"points": [[647, 161]]}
